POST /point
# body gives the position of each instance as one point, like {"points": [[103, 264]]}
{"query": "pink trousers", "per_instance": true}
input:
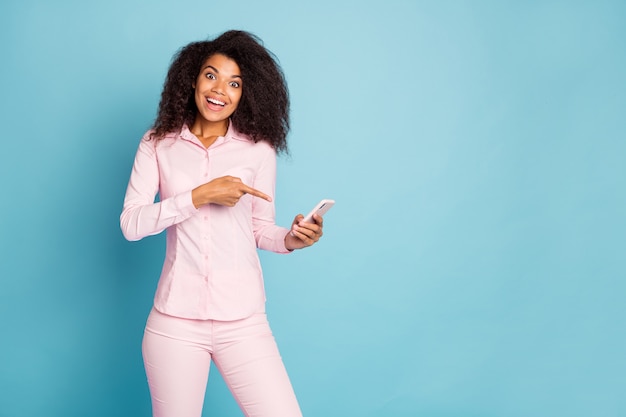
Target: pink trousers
{"points": [[178, 352]]}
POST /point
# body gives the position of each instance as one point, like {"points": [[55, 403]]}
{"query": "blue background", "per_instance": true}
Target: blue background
{"points": [[474, 264]]}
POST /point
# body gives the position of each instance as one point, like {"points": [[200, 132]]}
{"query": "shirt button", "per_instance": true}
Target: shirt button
{"points": [[206, 217], [206, 257], [206, 174]]}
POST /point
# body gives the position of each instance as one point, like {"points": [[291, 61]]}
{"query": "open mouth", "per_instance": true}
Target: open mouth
{"points": [[216, 102]]}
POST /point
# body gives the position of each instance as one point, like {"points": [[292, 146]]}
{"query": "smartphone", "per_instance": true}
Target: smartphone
{"points": [[320, 208]]}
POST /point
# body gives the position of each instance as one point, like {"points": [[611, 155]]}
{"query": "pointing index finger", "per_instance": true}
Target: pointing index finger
{"points": [[256, 193]]}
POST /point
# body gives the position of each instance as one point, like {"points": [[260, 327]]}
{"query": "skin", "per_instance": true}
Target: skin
{"points": [[218, 88]]}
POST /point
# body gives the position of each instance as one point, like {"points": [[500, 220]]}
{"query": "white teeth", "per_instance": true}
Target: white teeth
{"points": [[219, 103]]}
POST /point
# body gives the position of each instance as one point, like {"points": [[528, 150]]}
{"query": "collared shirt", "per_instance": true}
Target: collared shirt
{"points": [[211, 268]]}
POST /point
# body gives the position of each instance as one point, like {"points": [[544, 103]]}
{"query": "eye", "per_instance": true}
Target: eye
{"points": [[234, 84], [210, 76]]}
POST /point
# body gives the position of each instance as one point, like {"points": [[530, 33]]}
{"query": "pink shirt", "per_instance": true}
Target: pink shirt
{"points": [[211, 268]]}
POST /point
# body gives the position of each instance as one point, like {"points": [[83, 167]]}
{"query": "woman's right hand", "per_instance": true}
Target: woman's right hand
{"points": [[225, 191]]}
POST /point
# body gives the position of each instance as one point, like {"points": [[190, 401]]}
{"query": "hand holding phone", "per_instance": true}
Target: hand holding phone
{"points": [[320, 209]]}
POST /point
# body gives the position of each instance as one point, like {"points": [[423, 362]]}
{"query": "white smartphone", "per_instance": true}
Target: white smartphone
{"points": [[320, 208]]}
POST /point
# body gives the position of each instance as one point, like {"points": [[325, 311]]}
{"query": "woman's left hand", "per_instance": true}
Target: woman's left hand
{"points": [[304, 234]]}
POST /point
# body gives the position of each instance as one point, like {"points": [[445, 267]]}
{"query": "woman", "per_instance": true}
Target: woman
{"points": [[211, 157]]}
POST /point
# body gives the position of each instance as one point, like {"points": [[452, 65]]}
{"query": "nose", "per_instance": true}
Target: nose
{"points": [[218, 88]]}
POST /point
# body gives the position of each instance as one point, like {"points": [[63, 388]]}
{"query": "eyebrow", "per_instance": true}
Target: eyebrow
{"points": [[215, 69]]}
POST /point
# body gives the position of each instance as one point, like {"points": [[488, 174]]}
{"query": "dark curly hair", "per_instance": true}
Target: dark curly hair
{"points": [[263, 111]]}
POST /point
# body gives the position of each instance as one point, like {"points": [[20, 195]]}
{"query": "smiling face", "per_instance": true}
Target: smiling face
{"points": [[218, 90]]}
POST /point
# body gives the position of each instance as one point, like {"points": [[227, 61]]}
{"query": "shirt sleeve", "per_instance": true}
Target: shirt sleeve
{"points": [[267, 234], [141, 215]]}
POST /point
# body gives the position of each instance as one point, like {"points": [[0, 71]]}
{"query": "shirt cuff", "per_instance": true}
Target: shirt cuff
{"points": [[184, 204], [274, 240]]}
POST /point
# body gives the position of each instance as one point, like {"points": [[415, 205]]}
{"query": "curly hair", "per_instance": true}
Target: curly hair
{"points": [[263, 111]]}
